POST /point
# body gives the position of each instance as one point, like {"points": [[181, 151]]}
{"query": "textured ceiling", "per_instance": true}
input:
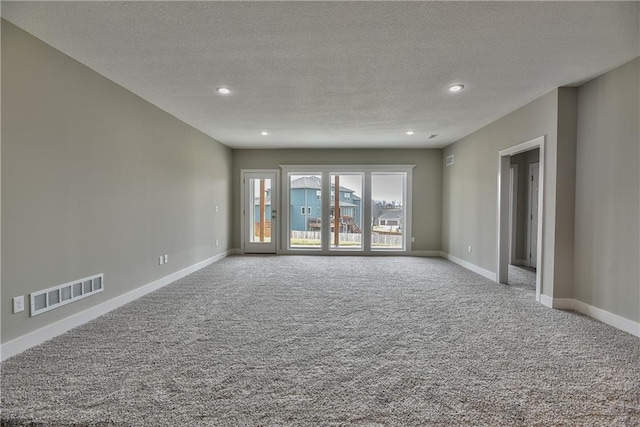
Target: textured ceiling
{"points": [[338, 74]]}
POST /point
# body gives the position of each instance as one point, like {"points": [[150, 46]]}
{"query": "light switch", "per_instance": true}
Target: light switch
{"points": [[18, 304]]}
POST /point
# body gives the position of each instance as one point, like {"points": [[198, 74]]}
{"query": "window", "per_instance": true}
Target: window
{"points": [[304, 230], [305, 210], [387, 210], [346, 226], [318, 220]]}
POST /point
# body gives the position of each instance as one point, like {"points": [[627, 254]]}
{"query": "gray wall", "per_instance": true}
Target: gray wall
{"points": [[470, 185], [523, 160], [607, 205], [97, 180], [427, 181]]}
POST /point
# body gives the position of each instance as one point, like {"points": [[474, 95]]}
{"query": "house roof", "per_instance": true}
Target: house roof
{"points": [[391, 214], [314, 183]]}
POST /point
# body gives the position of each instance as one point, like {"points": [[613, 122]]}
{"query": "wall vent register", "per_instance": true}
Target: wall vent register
{"points": [[449, 160], [48, 299]]}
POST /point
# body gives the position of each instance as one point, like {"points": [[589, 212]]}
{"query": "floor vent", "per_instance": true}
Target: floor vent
{"points": [[48, 299]]}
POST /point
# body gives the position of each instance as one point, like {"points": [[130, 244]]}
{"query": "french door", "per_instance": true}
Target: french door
{"points": [[260, 211]]}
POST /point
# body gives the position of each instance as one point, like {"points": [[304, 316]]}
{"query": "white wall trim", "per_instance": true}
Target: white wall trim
{"points": [[22, 343], [546, 300], [604, 316], [607, 317], [426, 253], [237, 251], [469, 266], [502, 223], [519, 262]]}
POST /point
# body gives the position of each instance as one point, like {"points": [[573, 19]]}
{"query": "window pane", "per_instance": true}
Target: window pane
{"points": [[305, 211], [260, 216], [346, 225], [387, 210]]}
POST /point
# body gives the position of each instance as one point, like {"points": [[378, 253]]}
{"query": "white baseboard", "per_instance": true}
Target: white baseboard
{"points": [[607, 317], [546, 300], [426, 253], [469, 266], [20, 344], [237, 251], [519, 262], [604, 316]]}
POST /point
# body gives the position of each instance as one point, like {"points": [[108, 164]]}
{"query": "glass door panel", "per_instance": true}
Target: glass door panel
{"points": [[305, 211], [260, 209], [387, 211], [345, 212]]}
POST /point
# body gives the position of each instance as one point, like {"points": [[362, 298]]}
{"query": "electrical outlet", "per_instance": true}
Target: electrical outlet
{"points": [[166, 259], [18, 304], [217, 209], [160, 260], [470, 248], [413, 240]]}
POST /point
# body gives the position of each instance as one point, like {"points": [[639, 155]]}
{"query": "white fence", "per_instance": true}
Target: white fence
{"points": [[376, 239]]}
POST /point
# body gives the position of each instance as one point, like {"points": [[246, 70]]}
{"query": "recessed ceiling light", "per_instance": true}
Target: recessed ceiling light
{"points": [[456, 88], [410, 132], [223, 90], [264, 133]]}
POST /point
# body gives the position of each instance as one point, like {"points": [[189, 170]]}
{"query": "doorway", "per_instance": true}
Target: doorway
{"points": [[260, 213], [529, 247]]}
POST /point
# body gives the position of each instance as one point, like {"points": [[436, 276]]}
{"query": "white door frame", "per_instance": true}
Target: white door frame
{"points": [[502, 238], [513, 212], [275, 187], [530, 211]]}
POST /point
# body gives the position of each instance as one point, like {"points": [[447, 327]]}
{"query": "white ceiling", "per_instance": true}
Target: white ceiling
{"points": [[338, 74]]}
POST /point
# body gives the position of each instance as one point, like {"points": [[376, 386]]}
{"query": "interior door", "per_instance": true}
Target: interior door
{"points": [[260, 211], [533, 214]]}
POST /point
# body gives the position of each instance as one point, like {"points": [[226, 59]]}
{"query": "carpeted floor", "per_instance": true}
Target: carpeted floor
{"points": [[330, 341], [522, 277]]}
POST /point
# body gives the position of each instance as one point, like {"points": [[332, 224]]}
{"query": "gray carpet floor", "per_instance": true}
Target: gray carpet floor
{"points": [[330, 341]]}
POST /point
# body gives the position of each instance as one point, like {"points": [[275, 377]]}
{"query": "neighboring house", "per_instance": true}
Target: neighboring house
{"points": [[306, 204], [390, 220]]}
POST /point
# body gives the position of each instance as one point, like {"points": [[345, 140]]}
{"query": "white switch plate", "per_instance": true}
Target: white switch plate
{"points": [[160, 260], [217, 242], [470, 248], [166, 259], [413, 240], [18, 304]]}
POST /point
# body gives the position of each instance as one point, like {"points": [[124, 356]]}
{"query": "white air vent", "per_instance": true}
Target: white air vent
{"points": [[449, 160], [48, 299]]}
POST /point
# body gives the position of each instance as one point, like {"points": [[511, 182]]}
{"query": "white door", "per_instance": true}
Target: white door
{"points": [[533, 214], [260, 213]]}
